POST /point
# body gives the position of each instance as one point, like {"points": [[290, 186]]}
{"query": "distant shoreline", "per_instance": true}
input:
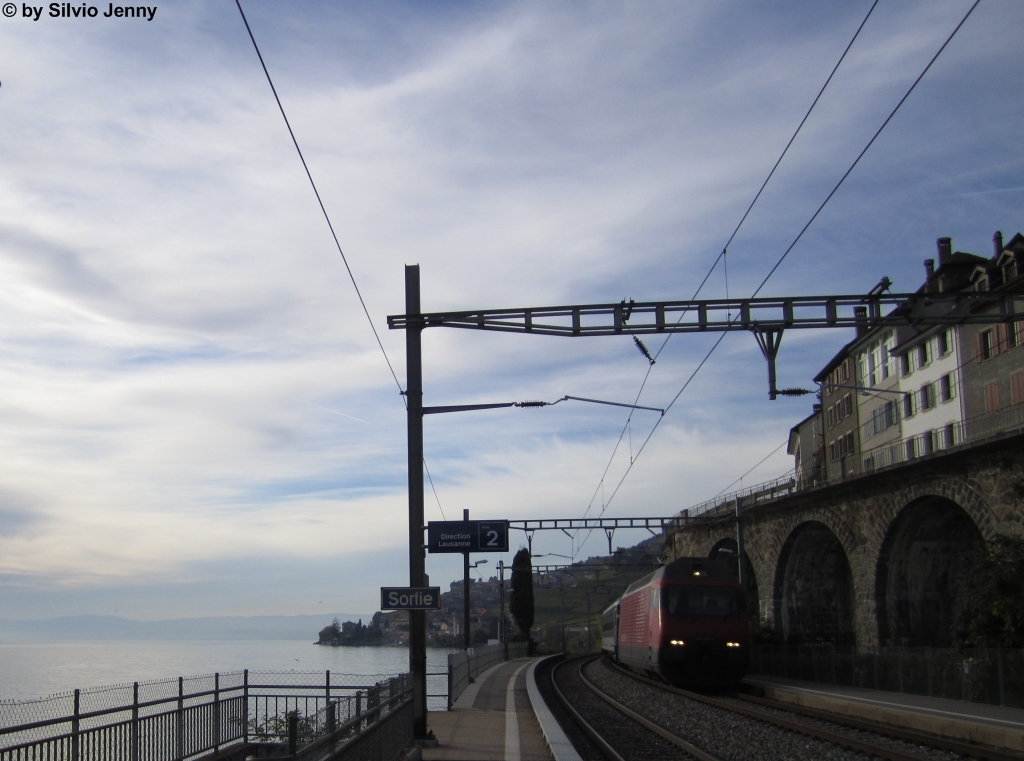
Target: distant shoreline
{"points": [[114, 628]]}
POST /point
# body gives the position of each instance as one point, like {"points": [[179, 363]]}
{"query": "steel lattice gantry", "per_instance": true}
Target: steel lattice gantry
{"points": [[721, 315], [766, 318]]}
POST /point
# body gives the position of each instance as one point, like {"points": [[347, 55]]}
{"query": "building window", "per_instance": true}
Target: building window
{"points": [[909, 444], [943, 342], [924, 353], [905, 368], [984, 346], [991, 397], [950, 435], [1017, 388], [946, 387], [848, 402], [927, 396], [908, 406]]}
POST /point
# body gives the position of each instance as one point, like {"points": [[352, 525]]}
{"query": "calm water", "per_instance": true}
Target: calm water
{"points": [[29, 671]]}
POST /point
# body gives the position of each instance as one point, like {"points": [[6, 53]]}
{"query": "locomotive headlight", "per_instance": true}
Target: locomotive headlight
{"points": [[676, 642], [732, 644]]}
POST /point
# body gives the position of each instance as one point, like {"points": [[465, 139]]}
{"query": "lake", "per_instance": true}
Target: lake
{"points": [[37, 670]]}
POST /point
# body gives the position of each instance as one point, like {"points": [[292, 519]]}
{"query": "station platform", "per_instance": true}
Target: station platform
{"points": [[997, 726], [493, 720]]}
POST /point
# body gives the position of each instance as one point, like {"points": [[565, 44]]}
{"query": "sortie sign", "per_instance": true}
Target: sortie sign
{"points": [[410, 598], [467, 536]]}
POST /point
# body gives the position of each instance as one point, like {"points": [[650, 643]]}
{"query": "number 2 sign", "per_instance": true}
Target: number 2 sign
{"points": [[467, 536]]}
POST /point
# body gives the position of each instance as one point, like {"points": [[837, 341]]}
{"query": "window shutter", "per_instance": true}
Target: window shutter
{"points": [[977, 347], [991, 397], [1017, 387], [1000, 342]]}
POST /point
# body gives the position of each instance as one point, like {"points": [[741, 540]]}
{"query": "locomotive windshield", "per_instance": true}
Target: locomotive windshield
{"points": [[702, 601]]}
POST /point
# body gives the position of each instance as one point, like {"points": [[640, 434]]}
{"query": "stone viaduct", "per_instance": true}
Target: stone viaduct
{"points": [[878, 560]]}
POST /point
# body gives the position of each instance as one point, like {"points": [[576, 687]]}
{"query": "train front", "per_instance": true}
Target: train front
{"points": [[704, 635]]}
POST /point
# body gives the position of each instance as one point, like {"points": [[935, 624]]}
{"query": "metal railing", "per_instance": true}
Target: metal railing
{"points": [[378, 731], [464, 667], [175, 719], [961, 434], [763, 492], [993, 676]]}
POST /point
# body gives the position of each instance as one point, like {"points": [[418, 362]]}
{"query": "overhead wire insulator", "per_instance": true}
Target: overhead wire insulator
{"points": [[643, 349], [532, 404]]}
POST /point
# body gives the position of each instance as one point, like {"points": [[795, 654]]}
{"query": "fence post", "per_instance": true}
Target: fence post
{"points": [[332, 717], [449, 683], [216, 712], [931, 656], [359, 710], [75, 727], [245, 713], [899, 665], [327, 684], [293, 732], [999, 662], [135, 722], [181, 718]]}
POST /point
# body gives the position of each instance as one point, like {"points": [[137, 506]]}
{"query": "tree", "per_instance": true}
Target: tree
{"points": [[520, 603], [993, 615]]}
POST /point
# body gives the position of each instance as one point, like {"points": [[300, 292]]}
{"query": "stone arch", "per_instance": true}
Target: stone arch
{"points": [[814, 590], [946, 486], [923, 566], [725, 550]]}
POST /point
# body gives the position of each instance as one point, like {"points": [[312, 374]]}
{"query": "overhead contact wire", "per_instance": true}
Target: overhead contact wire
{"points": [[795, 240], [316, 192], [725, 248], [330, 226]]}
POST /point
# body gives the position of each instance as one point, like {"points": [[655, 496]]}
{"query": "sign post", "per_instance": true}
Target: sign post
{"points": [[417, 559]]}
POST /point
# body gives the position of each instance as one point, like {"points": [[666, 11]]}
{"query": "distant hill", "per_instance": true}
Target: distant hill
{"points": [[79, 628]]}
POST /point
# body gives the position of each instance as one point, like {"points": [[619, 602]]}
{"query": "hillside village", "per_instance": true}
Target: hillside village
{"points": [[586, 587]]}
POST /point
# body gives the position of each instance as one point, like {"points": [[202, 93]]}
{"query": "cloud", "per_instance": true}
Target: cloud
{"points": [[185, 366]]}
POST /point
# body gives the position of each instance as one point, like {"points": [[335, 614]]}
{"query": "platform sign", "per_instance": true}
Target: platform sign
{"points": [[410, 598], [467, 536]]}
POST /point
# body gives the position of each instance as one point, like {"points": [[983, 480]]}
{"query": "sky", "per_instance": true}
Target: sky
{"points": [[195, 416]]}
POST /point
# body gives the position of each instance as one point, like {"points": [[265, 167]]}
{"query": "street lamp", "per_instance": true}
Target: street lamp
{"points": [[466, 640]]}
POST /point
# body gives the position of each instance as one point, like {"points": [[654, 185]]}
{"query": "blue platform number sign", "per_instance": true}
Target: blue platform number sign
{"points": [[492, 536], [467, 536]]}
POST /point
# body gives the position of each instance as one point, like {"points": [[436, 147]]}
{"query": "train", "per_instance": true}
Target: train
{"points": [[685, 623]]}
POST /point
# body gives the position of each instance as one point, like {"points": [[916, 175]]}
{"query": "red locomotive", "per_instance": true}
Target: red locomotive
{"points": [[686, 622]]}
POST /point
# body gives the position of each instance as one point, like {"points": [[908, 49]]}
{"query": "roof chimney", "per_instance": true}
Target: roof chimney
{"points": [[945, 249], [929, 269], [997, 242], [860, 316]]}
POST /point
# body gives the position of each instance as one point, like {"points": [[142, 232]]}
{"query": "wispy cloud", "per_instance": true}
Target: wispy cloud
{"points": [[175, 323]]}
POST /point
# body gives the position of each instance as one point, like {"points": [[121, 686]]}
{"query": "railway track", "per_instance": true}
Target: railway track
{"points": [[619, 733], [623, 713], [782, 714]]}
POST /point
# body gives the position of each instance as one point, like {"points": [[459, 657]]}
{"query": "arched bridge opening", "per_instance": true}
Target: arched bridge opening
{"points": [[923, 568], [814, 587]]}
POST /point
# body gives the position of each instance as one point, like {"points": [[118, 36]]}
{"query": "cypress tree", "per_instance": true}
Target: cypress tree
{"points": [[520, 603]]}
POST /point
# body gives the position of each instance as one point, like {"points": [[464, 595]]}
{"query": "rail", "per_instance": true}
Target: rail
{"points": [[176, 719]]}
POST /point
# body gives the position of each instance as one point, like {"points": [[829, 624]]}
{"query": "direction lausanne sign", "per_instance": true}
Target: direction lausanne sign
{"points": [[410, 598], [467, 536]]}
